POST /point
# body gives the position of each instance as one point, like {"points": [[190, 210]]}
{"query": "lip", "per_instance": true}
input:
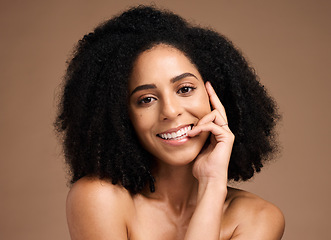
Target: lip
{"points": [[177, 142]]}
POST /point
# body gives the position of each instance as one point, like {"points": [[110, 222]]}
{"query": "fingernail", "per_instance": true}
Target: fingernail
{"points": [[209, 85]]}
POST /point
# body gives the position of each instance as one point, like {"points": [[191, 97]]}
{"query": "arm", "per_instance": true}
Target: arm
{"points": [[256, 218], [210, 168], [206, 220], [95, 211]]}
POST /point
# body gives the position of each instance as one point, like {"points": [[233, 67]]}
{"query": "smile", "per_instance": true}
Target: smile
{"points": [[176, 135]]}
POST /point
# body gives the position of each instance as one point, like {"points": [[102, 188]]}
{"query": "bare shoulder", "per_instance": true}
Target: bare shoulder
{"points": [[97, 209], [99, 190], [256, 218]]}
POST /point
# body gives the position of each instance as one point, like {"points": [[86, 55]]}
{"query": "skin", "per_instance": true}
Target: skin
{"points": [[192, 200]]}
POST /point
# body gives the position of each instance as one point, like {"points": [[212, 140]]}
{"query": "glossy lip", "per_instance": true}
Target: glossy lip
{"points": [[175, 142]]}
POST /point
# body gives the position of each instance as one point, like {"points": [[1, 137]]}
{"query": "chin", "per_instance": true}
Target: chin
{"points": [[178, 161], [182, 156]]}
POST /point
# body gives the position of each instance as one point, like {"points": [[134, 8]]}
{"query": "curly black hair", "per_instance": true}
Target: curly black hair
{"points": [[98, 137]]}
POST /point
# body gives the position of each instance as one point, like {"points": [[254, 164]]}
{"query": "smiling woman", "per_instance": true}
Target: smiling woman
{"points": [[147, 138]]}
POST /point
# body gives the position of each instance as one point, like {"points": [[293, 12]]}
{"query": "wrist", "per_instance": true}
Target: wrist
{"points": [[215, 189], [219, 183]]}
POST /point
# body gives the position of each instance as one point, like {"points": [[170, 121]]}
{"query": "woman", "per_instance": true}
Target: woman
{"points": [[147, 139]]}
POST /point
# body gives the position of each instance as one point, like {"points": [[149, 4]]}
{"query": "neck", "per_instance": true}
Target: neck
{"points": [[176, 186]]}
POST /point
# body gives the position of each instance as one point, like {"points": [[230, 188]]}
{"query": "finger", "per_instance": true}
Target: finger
{"points": [[215, 101], [219, 132], [215, 117]]}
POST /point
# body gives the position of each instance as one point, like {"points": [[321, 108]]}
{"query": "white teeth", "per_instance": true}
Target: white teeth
{"points": [[176, 135]]}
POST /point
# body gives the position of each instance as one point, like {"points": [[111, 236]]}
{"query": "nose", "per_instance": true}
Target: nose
{"points": [[170, 109]]}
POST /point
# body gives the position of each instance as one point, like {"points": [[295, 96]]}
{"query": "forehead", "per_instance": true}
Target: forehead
{"points": [[160, 62]]}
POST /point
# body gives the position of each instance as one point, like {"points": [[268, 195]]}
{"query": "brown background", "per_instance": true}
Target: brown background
{"points": [[288, 42]]}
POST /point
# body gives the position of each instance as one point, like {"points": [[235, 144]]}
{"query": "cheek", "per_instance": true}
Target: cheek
{"points": [[200, 105], [142, 122], [138, 122]]}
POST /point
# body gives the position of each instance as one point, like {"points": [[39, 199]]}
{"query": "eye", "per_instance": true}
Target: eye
{"points": [[146, 100], [186, 89]]}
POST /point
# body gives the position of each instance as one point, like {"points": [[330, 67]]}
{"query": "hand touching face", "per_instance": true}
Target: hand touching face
{"points": [[212, 163]]}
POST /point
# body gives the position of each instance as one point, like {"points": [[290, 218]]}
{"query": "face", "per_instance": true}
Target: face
{"points": [[167, 98]]}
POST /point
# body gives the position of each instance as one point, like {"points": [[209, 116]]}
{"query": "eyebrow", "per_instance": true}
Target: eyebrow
{"points": [[143, 87], [184, 75], [153, 86]]}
